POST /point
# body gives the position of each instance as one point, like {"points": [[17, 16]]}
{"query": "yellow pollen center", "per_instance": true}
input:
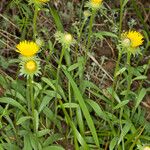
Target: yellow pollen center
{"points": [[68, 37], [31, 65]]}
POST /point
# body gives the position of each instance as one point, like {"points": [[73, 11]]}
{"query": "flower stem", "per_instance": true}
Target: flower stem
{"points": [[60, 61], [90, 30], [79, 38], [121, 17], [129, 79], [115, 76], [28, 95], [32, 101], [57, 79], [121, 128], [35, 22]]}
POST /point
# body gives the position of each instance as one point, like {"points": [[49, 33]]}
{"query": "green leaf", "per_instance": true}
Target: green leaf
{"points": [[51, 139], [17, 95], [45, 101], [125, 130], [124, 3], [3, 82], [104, 33], [43, 132], [52, 94], [48, 82], [1, 148], [97, 91], [34, 141], [111, 116], [13, 102], [36, 118], [56, 18], [74, 66], [121, 104], [113, 143], [10, 146], [114, 94], [53, 148], [27, 143], [69, 105], [120, 71], [139, 98], [142, 77], [51, 117], [83, 106], [79, 116], [81, 62], [96, 108], [23, 119], [77, 135]]}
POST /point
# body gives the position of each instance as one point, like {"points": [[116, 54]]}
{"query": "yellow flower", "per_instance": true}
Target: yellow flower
{"points": [[30, 67], [27, 48], [135, 38], [94, 4], [146, 148]]}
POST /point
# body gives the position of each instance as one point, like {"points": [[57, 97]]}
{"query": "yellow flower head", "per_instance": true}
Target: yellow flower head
{"points": [[94, 4], [30, 67], [135, 38], [146, 148], [27, 48]]}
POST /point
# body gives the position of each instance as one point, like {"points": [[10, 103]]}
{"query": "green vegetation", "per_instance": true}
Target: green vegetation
{"points": [[74, 75]]}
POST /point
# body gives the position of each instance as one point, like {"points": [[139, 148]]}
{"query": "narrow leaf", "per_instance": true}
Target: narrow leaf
{"points": [[83, 106], [13, 102], [23, 119], [121, 104]]}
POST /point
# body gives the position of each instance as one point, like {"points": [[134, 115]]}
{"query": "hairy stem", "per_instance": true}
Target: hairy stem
{"points": [[90, 31], [129, 78], [32, 100], [121, 17]]}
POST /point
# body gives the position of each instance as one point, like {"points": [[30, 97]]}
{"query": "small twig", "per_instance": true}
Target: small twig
{"points": [[7, 37], [9, 34], [113, 53], [7, 44]]}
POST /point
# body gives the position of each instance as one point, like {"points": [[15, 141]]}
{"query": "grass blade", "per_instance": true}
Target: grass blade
{"points": [[83, 107], [56, 18]]}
